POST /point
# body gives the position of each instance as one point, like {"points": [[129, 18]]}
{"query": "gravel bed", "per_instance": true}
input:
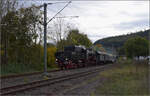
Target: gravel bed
{"points": [[26, 79], [85, 89], [83, 86]]}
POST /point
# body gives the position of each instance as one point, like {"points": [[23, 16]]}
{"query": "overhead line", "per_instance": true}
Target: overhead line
{"points": [[59, 12]]}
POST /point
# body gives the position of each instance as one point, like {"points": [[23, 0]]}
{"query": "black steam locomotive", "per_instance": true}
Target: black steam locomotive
{"points": [[79, 56]]}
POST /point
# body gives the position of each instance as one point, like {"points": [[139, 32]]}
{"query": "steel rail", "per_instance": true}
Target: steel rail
{"points": [[26, 74], [35, 84]]}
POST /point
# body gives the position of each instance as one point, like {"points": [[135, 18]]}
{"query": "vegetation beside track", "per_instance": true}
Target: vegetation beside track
{"points": [[127, 78], [15, 69], [21, 47]]}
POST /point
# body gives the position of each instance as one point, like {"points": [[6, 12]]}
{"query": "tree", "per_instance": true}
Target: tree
{"points": [[58, 30], [51, 50], [61, 44], [121, 51], [20, 34], [5, 7], [76, 38], [135, 47]]}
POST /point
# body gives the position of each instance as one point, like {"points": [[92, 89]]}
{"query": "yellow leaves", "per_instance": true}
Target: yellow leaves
{"points": [[51, 50], [1, 52], [51, 56], [99, 47]]}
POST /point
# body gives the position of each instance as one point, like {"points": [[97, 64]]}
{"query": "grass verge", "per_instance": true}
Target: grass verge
{"points": [[126, 78], [14, 69]]}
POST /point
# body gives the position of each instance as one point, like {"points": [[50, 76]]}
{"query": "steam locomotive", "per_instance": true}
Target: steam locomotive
{"points": [[79, 56]]}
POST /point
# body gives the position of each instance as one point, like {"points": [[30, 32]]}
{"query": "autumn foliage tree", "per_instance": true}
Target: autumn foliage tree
{"points": [[99, 47], [21, 38], [20, 33], [51, 50]]}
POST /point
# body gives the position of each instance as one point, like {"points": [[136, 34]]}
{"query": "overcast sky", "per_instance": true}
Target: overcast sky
{"points": [[100, 19]]}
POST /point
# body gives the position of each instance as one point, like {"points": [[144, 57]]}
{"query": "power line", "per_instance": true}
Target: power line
{"points": [[59, 12]]}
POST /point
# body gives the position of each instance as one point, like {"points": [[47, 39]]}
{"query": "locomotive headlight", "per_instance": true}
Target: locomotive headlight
{"points": [[56, 59]]}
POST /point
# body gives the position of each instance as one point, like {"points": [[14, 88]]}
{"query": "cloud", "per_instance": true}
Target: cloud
{"points": [[95, 37], [100, 19], [133, 24]]}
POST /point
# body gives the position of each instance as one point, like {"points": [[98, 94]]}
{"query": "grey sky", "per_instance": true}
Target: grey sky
{"points": [[99, 19]]}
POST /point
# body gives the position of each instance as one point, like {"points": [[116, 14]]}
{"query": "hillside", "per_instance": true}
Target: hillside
{"points": [[118, 41]]}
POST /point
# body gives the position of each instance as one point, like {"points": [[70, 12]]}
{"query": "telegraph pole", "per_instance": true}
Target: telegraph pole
{"points": [[45, 39]]}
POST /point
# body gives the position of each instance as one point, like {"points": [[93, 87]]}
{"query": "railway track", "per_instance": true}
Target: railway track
{"points": [[35, 84], [25, 74]]}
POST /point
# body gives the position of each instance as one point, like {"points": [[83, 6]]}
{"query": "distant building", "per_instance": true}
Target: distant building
{"points": [[142, 58]]}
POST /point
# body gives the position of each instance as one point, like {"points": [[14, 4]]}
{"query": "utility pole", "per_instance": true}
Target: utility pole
{"points": [[45, 31], [45, 38]]}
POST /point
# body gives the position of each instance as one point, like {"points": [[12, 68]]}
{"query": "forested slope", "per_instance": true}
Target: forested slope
{"points": [[118, 41]]}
